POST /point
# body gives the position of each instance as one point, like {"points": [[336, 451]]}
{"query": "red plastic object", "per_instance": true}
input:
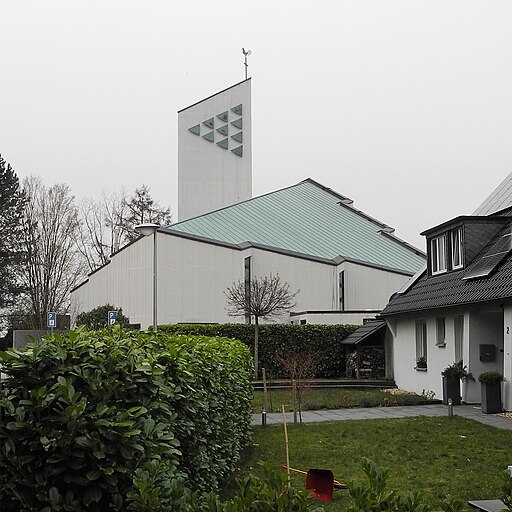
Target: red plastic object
{"points": [[321, 482]]}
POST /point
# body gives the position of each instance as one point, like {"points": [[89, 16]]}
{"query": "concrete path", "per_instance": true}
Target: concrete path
{"points": [[373, 413]]}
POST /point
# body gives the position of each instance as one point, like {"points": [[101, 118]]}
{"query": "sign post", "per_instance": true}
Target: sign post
{"points": [[112, 317], [51, 320]]}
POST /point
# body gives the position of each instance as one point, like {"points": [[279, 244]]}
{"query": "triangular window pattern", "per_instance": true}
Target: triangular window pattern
{"points": [[223, 143], [237, 109], [237, 123], [238, 137], [196, 130], [223, 129], [209, 123], [238, 151], [223, 116], [209, 136]]}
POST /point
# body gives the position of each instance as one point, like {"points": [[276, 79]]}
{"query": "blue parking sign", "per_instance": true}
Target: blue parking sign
{"points": [[51, 319], [112, 317]]}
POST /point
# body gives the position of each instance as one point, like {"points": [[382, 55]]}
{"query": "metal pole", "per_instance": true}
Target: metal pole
{"points": [[263, 416], [450, 407], [155, 301]]}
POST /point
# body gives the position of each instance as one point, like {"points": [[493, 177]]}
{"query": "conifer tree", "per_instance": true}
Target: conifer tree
{"points": [[12, 202]]}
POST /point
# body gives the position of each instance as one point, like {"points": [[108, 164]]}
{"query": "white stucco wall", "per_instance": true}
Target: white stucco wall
{"points": [[507, 354], [484, 328], [482, 325], [438, 357], [193, 275], [334, 318], [209, 176]]}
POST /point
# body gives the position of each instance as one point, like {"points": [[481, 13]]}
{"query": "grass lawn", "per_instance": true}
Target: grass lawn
{"points": [[332, 398], [437, 455]]}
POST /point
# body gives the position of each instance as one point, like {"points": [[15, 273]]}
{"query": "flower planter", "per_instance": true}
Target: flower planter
{"points": [[451, 389], [491, 397]]}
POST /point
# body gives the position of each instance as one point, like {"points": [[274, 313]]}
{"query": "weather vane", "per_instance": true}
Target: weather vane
{"points": [[246, 54]]}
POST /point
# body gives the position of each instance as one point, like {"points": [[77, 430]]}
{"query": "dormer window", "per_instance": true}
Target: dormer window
{"points": [[438, 254], [456, 246]]}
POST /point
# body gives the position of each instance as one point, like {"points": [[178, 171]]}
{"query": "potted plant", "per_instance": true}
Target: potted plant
{"points": [[491, 391], [421, 362], [452, 375]]}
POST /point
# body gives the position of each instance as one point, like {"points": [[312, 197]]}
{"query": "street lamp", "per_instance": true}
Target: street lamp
{"points": [[148, 230]]}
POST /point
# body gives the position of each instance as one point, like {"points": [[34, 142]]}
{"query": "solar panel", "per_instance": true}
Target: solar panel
{"points": [[490, 261]]}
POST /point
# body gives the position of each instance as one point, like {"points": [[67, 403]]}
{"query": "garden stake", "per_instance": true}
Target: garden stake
{"points": [[265, 390], [286, 445]]}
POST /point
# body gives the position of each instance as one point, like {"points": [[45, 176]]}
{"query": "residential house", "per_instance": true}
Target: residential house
{"points": [[459, 307]]}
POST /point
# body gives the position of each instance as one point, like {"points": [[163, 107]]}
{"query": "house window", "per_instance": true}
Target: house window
{"points": [[440, 332], [421, 343], [438, 254], [456, 242], [458, 326]]}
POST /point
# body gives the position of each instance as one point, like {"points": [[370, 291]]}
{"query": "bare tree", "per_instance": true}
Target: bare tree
{"points": [[266, 297], [53, 266], [107, 224], [301, 369], [101, 231]]}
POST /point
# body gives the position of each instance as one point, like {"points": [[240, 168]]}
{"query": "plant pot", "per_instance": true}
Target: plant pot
{"points": [[491, 397], [421, 364], [451, 389]]}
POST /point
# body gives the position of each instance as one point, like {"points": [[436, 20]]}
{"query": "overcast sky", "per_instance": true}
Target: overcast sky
{"points": [[404, 106]]}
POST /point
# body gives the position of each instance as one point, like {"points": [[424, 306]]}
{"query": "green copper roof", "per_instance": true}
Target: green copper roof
{"points": [[306, 218]]}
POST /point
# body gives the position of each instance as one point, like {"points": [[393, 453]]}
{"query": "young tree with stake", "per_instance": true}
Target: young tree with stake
{"points": [[266, 297]]}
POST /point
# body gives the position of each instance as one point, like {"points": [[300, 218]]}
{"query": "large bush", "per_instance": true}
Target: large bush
{"points": [[84, 415], [97, 318], [283, 339]]}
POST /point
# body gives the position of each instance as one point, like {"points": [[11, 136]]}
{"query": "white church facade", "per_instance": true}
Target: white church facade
{"points": [[345, 263]]}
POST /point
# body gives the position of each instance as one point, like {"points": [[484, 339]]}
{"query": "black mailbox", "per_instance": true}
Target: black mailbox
{"points": [[487, 353]]}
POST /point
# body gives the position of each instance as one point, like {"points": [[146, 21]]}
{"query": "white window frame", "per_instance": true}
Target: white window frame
{"points": [[441, 331], [438, 254], [456, 244]]}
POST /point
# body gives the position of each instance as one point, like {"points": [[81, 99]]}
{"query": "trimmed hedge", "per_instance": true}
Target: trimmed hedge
{"points": [[84, 415], [283, 339]]}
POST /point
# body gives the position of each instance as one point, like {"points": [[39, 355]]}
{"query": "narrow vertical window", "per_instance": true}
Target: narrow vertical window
{"points": [[421, 343], [438, 254], [341, 293], [458, 325], [440, 332], [247, 283], [456, 245]]}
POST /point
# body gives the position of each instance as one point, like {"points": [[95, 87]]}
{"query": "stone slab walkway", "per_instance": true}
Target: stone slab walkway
{"points": [[472, 412]]}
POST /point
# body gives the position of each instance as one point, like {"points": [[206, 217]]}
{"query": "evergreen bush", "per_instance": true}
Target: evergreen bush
{"points": [[85, 415], [283, 339]]}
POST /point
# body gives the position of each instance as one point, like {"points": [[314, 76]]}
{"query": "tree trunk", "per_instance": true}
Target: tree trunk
{"points": [[256, 332]]}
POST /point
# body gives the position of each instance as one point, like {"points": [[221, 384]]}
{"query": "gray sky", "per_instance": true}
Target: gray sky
{"points": [[404, 106]]}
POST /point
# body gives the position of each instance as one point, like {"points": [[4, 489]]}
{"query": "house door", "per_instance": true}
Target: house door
{"points": [[459, 336]]}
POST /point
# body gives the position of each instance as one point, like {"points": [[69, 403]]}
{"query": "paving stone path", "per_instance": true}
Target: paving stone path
{"points": [[368, 413]]}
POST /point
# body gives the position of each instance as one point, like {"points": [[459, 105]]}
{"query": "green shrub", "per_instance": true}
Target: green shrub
{"points": [[97, 318], [270, 493], [87, 419], [283, 339]]}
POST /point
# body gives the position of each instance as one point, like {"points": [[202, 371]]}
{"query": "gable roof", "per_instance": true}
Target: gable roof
{"points": [[498, 200], [311, 219], [455, 288]]}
